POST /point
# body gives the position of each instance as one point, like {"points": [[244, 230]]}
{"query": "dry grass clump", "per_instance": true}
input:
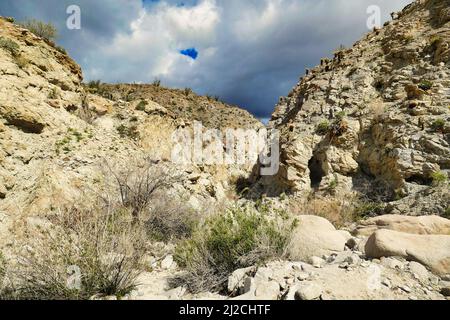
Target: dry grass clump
{"points": [[84, 253]]}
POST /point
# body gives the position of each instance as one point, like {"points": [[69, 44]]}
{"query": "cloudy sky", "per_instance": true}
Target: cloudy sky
{"points": [[248, 52]]}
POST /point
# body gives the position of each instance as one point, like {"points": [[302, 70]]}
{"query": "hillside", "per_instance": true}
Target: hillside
{"points": [[374, 119]]}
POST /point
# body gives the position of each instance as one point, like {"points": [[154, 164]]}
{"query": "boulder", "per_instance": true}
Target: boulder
{"points": [[415, 225], [433, 251], [315, 236]]}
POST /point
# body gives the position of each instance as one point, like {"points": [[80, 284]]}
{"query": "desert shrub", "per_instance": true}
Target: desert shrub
{"points": [[439, 178], [157, 83], [138, 186], [170, 219], [10, 19], [141, 105], [85, 253], [9, 46], [366, 208], [21, 61], [339, 211], [61, 50], [131, 132], [239, 238], [438, 125], [323, 127], [425, 85], [187, 92], [54, 93], [447, 213], [41, 29]]}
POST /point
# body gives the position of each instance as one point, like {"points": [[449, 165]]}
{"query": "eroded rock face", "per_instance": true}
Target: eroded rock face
{"points": [[376, 114]]}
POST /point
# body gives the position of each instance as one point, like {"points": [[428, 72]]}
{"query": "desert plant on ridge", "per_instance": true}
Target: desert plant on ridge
{"points": [[44, 30]]}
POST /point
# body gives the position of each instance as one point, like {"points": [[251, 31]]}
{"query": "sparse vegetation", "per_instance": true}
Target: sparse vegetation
{"points": [[138, 187], [187, 92], [141, 105], [170, 219], [239, 238], [10, 19], [131, 132], [323, 127], [54, 93], [439, 178], [157, 83], [447, 213], [425, 85], [44, 30], [438, 125], [365, 208], [9, 46], [21, 62]]}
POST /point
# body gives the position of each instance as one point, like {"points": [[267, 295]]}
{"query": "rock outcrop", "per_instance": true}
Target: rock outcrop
{"points": [[375, 119]]}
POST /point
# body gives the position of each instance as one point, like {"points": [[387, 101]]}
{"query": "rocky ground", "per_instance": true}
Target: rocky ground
{"points": [[373, 262]]}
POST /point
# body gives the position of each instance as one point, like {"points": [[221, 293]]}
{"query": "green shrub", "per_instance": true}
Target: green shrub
{"points": [[439, 178], [141, 105], [425, 85], [224, 243], [9, 46], [367, 209], [41, 29], [438, 125], [10, 19], [187, 92], [323, 127], [447, 213]]}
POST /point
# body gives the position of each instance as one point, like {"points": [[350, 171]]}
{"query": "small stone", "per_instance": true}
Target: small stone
{"points": [[303, 276], [406, 289], [167, 263], [419, 271], [317, 262], [413, 298], [309, 291], [353, 259], [267, 290], [386, 283]]}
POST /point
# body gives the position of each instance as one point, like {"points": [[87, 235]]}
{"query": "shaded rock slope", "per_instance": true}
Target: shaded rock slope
{"points": [[375, 118]]}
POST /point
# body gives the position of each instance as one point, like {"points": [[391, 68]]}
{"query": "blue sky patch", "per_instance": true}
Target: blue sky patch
{"points": [[191, 52]]}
